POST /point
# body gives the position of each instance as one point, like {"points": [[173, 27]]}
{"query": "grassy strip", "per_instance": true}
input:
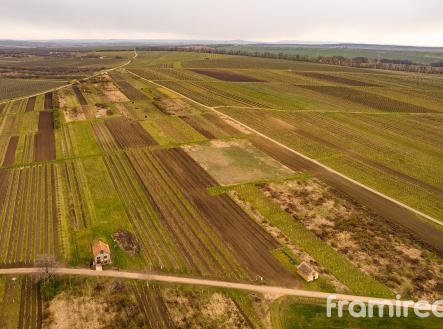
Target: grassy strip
{"points": [[338, 266], [293, 312], [172, 130]]}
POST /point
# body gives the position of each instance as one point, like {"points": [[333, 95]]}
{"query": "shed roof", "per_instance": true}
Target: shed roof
{"points": [[305, 269], [99, 247]]}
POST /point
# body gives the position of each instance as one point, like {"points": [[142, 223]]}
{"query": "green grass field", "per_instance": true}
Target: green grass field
{"points": [[292, 313]]}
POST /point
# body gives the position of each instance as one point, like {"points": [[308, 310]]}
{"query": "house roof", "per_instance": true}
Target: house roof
{"points": [[99, 247], [305, 269]]}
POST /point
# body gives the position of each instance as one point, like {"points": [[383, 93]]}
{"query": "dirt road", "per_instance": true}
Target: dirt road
{"points": [[71, 84], [272, 290]]}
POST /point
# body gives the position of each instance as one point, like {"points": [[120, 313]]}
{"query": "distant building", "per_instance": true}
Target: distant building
{"points": [[101, 252], [307, 272]]}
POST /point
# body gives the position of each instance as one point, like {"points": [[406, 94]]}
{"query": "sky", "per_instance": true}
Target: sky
{"points": [[400, 22]]}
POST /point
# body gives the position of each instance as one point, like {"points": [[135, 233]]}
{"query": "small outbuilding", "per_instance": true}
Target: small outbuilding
{"points": [[307, 272], [101, 253]]}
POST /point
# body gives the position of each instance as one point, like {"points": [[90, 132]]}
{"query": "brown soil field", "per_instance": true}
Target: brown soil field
{"points": [[152, 305], [227, 75], [422, 231], [49, 101], [332, 78], [2, 107], [10, 151], [82, 100], [129, 133], [44, 141], [129, 90], [246, 240], [45, 121], [197, 242], [44, 146], [374, 101], [31, 103], [198, 126], [223, 125]]}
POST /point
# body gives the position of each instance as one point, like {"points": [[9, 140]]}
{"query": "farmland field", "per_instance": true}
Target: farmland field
{"points": [[218, 167], [13, 88]]}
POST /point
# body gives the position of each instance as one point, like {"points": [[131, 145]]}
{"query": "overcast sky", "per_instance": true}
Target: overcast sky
{"points": [[409, 22]]}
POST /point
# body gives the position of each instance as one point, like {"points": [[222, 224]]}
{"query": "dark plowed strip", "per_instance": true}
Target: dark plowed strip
{"points": [[388, 209], [2, 107], [10, 151], [45, 121], [129, 133], [374, 101], [220, 123], [227, 75], [31, 104], [199, 127], [129, 90], [247, 241], [4, 181], [49, 103], [80, 97], [44, 146], [332, 78]]}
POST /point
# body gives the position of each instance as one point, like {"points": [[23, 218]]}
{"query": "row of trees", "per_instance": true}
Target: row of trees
{"points": [[360, 62]]}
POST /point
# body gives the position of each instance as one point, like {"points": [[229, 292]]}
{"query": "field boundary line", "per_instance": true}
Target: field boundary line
{"points": [[71, 83], [370, 189], [275, 290]]}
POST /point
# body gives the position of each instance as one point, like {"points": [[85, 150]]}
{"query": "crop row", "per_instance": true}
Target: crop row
{"points": [[157, 246], [29, 218], [196, 241], [12, 88]]}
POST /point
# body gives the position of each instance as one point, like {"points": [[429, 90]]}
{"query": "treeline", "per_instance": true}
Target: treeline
{"points": [[360, 62]]}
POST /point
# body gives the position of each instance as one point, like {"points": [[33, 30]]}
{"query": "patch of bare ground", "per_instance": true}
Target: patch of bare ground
{"points": [[102, 110], [191, 309], [67, 312], [127, 242], [74, 114], [109, 305], [174, 106], [111, 92], [281, 238], [371, 242]]}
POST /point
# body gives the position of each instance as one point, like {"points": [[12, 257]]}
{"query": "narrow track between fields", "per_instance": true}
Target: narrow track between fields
{"points": [[263, 289], [73, 83]]}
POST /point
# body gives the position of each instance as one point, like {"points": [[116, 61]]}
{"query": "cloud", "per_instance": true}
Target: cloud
{"points": [[375, 21]]}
